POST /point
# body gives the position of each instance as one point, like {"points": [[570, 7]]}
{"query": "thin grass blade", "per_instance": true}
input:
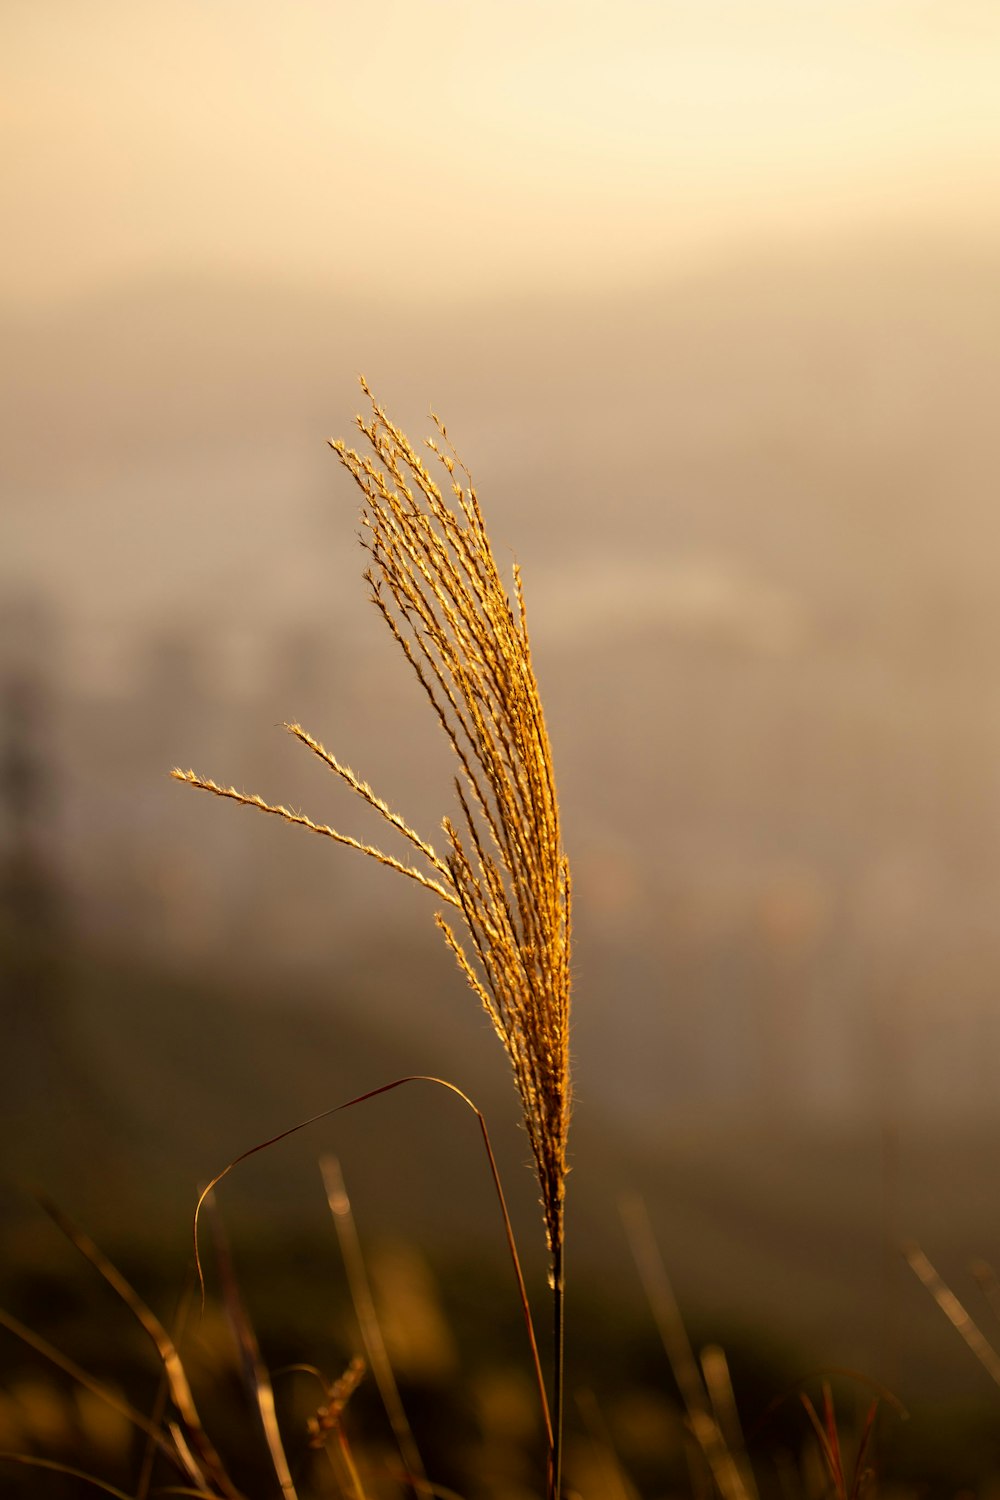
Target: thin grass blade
{"points": [[258, 1378], [719, 1385], [953, 1310], [862, 1471], [368, 1322], [89, 1382], [208, 1459], [667, 1316], [823, 1439]]}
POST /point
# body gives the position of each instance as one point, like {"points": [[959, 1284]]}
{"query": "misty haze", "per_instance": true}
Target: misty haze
{"points": [[729, 400]]}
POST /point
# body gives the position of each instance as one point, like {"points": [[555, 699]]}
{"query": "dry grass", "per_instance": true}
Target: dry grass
{"points": [[435, 581]]}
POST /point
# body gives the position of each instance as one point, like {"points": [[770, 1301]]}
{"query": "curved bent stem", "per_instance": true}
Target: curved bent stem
{"points": [[387, 1088]]}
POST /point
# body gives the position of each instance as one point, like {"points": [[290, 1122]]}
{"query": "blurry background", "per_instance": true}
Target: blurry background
{"points": [[707, 295]]}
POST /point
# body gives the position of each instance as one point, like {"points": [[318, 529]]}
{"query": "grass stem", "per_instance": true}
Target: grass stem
{"points": [[558, 1365]]}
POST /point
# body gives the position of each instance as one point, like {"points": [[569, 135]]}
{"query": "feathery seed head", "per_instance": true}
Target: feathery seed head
{"points": [[433, 578]]}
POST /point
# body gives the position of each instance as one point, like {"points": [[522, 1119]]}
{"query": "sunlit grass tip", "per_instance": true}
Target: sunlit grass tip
{"points": [[435, 581]]}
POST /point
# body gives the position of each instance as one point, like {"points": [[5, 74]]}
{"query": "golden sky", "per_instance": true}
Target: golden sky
{"points": [[465, 147]]}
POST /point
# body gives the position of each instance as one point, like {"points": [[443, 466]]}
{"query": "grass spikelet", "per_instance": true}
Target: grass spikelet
{"points": [[435, 581]]}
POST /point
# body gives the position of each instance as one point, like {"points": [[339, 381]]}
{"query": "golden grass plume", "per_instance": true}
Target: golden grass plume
{"points": [[435, 581]]}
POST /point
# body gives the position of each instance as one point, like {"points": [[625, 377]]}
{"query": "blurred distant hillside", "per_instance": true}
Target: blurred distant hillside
{"points": [[756, 518], [756, 515]]}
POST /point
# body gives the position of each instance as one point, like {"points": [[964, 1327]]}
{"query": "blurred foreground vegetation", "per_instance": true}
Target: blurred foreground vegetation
{"points": [[151, 1081]]}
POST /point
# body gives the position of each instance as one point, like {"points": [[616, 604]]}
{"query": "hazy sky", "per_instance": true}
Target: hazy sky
{"points": [[756, 507], [428, 146]]}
